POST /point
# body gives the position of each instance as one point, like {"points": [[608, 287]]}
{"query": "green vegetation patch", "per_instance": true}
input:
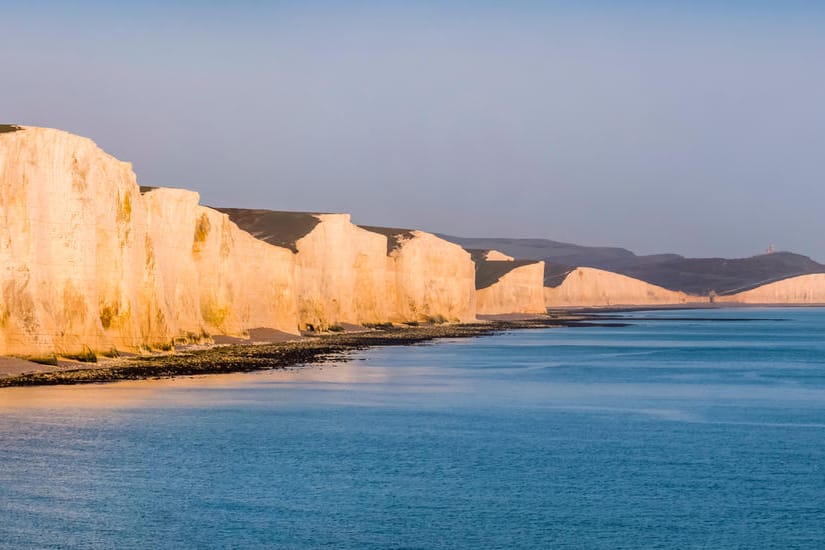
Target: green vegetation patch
{"points": [[214, 314], [190, 338], [436, 319], [8, 128], [108, 313], [85, 356], [124, 208], [50, 360]]}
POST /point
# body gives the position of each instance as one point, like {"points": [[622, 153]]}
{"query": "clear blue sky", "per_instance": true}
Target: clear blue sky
{"points": [[693, 127]]}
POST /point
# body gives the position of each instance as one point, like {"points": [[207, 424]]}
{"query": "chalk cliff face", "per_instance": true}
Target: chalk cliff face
{"points": [[72, 248], [345, 273], [504, 285], [340, 274], [589, 287], [805, 289], [340, 269], [428, 278], [83, 266], [216, 277], [89, 261]]}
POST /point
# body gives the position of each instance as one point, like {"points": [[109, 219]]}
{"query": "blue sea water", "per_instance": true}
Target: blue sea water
{"points": [[684, 429]]}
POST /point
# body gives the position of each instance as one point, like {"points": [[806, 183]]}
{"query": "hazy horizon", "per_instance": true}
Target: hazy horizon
{"points": [[650, 126]]}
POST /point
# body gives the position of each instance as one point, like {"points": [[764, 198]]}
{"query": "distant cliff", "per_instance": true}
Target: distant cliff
{"points": [[588, 287], [806, 289], [670, 271], [505, 285]]}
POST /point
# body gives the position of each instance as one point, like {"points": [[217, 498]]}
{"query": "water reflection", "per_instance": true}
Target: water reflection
{"points": [[354, 375]]}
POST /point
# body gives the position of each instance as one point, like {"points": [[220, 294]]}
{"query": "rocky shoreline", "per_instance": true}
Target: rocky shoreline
{"points": [[314, 350]]}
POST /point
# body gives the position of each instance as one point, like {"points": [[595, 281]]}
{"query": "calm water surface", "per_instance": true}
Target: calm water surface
{"points": [[685, 429]]}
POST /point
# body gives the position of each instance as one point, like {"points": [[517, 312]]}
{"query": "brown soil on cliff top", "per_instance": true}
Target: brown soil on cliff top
{"points": [[282, 229], [488, 272]]}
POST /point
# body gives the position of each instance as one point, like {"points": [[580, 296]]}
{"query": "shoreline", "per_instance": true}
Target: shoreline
{"points": [[324, 348], [234, 357]]}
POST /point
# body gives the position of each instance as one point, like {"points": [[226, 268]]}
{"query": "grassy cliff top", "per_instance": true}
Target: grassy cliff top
{"points": [[555, 274], [489, 272]]}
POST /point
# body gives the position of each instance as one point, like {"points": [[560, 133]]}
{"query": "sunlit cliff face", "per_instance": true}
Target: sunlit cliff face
{"points": [[91, 265], [586, 286], [94, 264], [805, 289], [347, 273], [504, 285]]}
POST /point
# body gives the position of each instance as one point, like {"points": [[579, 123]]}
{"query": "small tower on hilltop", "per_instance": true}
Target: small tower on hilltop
{"points": [[770, 249]]}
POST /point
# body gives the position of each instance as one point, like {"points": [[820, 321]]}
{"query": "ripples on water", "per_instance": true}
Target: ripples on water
{"points": [[666, 433]]}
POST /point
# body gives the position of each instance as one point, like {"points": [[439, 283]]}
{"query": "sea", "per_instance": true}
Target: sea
{"points": [[672, 429]]}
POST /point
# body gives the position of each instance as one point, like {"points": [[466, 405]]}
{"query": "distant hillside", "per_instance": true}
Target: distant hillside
{"points": [[702, 275], [671, 271], [604, 257]]}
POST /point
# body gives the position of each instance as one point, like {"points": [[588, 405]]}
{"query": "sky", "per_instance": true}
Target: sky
{"points": [[688, 127]]}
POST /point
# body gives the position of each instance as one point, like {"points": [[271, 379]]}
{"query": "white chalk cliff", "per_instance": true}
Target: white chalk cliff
{"points": [[340, 268], [504, 285], [216, 277], [427, 278], [805, 289], [346, 273], [87, 262], [496, 256], [590, 287], [339, 274]]}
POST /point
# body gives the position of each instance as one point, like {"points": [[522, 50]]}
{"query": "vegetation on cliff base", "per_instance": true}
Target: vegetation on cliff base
{"points": [[84, 356], [50, 360]]}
